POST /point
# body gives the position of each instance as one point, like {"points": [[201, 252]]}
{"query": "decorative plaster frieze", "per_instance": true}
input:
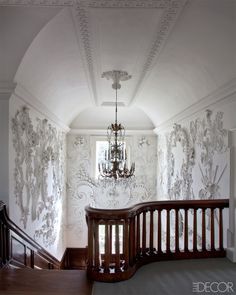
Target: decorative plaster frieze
{"points": [[180, 186], [83, 32], [83, 189], [39, 174], [44, 3], [209, 135], [171, 9], [193, 163], [129, 3], [169, 17]]}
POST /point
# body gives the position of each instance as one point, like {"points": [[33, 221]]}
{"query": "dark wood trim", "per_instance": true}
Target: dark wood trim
{"points": [[75, 258], [138, 247], [18, 249]]}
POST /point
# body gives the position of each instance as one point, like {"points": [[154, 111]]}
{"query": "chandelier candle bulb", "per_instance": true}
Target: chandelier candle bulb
{"points": [[114, 165]]}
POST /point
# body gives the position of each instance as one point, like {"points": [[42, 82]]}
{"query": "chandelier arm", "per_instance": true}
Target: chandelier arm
{"points": [[115, 164]]}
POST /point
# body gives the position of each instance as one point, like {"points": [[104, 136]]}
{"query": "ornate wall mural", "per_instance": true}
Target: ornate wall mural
{"points": [[210, 138], [193, 161], [83, 189], [39, 176], [179, 179]]}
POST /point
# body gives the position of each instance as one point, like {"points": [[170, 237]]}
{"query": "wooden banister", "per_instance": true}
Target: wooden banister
{"points": [[152, 231], [17, 249]]}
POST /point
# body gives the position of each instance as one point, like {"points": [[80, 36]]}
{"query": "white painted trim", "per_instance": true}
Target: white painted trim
{"points": [[222, 95], [33, 102], [104, 132]]}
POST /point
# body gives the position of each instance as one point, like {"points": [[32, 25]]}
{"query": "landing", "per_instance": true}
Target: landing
{"points": [[184, 277], [46, 282]]}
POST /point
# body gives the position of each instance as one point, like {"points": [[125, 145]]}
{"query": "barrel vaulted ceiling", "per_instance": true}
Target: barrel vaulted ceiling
{"points": [[178, 53]]}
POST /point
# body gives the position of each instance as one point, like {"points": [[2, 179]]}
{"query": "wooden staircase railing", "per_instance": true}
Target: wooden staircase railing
{"points": [[121, 240], [19, 250]]}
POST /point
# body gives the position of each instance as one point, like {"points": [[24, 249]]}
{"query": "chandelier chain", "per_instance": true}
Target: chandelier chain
{"points": [[114, 164]]}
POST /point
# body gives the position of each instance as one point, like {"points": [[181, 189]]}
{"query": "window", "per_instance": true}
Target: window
{"points": [[101, 146], [98, 146]]}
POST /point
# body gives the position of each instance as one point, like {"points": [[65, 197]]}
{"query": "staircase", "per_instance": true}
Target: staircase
{"points": [[27, 268]]}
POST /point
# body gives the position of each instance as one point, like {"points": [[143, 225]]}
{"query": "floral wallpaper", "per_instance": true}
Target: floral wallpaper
{"points": [[39, 173], [83, 189], [193, 161]]}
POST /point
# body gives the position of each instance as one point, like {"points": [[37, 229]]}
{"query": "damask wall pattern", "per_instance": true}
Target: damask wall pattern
{"points": [[38, 192], [83, 189]]}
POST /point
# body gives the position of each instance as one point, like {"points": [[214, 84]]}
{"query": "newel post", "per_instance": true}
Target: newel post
{"points": [[90, 242], [4, 236]]}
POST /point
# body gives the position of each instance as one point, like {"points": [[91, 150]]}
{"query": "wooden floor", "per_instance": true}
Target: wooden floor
{"points": [[46, 282]]}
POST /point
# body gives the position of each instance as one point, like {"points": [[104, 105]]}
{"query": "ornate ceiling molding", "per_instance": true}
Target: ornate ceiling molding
{"points": [[171, 9], [83, 32], [36, 3], [168, 20], [128, 3]]}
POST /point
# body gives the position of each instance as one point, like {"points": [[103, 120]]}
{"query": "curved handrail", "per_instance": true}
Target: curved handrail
{"points": [[155, 205], [142, 227], [9, 227]]}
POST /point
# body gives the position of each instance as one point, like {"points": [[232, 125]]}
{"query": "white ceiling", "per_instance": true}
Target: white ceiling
{"points": [[177, 52]]}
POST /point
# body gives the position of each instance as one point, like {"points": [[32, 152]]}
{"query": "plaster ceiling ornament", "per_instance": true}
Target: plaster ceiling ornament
{"points": [[43, 3], [39, 149], [171, 9]]}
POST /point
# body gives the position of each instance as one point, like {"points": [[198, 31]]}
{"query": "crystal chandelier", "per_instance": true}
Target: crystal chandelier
{"points": [[114, 164]]}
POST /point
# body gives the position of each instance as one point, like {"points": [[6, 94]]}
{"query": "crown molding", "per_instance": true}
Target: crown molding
{"points": [[224, 94], [103, 132], [43, 3], [24, 95], [81, 20], [168, 20]]}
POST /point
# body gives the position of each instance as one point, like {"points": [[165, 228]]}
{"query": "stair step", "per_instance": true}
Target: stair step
{"points": [[38, 282]]}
